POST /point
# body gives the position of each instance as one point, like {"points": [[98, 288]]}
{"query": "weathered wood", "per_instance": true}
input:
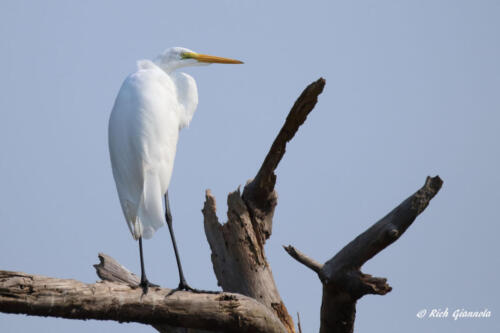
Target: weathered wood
{"points": [[303, 259], [259, 194], [111, 270], [237, 246], [239, 262], [376, 238], [343, 282], [66, 298]]}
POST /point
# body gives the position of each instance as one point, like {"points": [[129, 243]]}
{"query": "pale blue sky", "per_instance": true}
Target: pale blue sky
{"points": [[412, 90]]}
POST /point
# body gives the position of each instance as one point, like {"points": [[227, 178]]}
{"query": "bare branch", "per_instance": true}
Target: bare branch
{"points": [[259, 194], [263, 184], [44, 296], [237, 246], [303, 259], [343, 282], [111, 270], [299, 326], [381, 234]]}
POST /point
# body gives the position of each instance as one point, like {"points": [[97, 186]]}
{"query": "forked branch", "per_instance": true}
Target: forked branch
{"points": [[343, 282], [237, 246]]}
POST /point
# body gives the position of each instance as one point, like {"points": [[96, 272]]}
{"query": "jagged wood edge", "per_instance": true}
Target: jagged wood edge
{"points": [[237, 246]]}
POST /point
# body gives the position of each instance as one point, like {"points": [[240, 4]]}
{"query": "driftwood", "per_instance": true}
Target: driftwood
{"points": [[250, 301]]}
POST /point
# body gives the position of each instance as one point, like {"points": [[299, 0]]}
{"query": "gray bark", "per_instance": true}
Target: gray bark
{"points": [[237, 246], [65, 298], [111, 270], [343, 282]]}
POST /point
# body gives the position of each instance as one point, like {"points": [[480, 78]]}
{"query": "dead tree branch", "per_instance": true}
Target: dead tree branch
{"points": [[251, 301], [237, 246], [111, 270], [259, 193], [44, 296], [343, 282], [237, 254], [303, 259]]}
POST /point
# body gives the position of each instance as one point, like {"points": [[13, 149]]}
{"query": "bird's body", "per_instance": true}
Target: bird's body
{"points": [[153, 104], [150, 109]]}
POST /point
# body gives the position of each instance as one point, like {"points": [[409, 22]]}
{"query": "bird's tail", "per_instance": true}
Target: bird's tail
{"points": [[150, 212]]}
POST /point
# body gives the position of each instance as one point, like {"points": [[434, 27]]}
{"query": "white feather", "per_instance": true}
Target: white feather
{"points": [[149, 111], [153, 104]]}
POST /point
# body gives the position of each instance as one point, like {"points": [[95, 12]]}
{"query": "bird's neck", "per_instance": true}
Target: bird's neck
{"points": [[168, 65], [187, 92]]}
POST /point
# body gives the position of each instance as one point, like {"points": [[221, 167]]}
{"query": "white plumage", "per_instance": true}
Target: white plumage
{"points": [[151, 107], [153, 104]]}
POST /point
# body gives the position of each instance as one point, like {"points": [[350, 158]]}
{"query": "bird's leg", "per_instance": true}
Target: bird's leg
{"points": [[182, 284], [145, 284], [168, 216]]}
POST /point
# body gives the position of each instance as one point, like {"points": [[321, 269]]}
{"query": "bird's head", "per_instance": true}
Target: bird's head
{"points": [[177, 57]]}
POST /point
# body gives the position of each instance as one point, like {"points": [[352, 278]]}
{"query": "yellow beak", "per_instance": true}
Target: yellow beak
{"points": [[212, 59]]}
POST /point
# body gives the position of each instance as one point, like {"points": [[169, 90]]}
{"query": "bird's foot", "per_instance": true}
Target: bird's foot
{"points": [[145, 284], [183, 286]]}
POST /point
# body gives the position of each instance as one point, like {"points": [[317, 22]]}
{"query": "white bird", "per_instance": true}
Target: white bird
{"points": [[153, 105]]}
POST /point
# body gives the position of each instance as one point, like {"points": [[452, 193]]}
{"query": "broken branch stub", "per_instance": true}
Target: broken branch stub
{"points": [[237, 246]]}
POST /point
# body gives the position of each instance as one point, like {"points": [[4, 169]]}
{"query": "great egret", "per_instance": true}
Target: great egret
{"points": [[153, 105]]}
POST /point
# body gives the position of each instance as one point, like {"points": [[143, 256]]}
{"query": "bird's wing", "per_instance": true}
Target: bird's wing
{"points": [[143, 133]]}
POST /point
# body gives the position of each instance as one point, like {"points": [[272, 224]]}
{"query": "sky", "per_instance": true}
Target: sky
{"points": [[412, 90]]}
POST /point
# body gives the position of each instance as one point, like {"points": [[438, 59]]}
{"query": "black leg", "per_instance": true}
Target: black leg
{"points": [[182, 284], [168, 216], [145, 284]]}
